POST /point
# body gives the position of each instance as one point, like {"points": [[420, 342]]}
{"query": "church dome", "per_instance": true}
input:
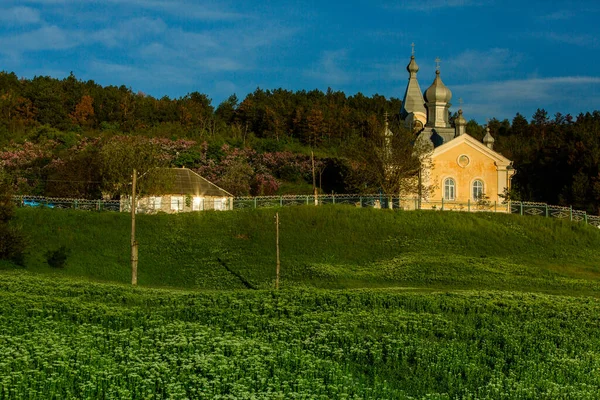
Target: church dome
{"points": [[460, 119], [438, 92], [412, 66]]}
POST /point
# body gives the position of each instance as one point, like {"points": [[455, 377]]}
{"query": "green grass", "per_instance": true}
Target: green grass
{"points": [[326, 247], [435, 305], [65, 339]]}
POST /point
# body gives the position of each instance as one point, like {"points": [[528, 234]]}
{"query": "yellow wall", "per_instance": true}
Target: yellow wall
{"points": [[480, 167]]}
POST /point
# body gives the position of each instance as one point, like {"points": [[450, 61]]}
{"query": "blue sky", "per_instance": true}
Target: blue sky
{"points": [[500, 57]]}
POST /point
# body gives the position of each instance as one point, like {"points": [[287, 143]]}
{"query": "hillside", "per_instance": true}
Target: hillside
{"points": [[436, 305], [325, 247]]}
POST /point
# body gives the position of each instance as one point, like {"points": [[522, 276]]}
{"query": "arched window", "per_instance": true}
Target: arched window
{"points": [[477, 190], [449, 189]]}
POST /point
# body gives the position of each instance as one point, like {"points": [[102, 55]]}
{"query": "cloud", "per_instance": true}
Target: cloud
{"points": [[536, 89], [55, 38], [225, 50], [558, 15], [20, 16], [582, 40], [46, 2], [45, 38], [330, 68], [220, 64], [183, 9], [141, 76], [430, 5], [503, 99], [473, 64], [128, 31]]}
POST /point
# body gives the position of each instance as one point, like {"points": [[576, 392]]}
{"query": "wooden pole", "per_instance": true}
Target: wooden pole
{"points": [[134, 245], [277, 245], [312, 157]]}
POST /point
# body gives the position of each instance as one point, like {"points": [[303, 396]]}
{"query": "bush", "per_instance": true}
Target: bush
{"points": [[12, 244], [12, 239], [57, 258]]}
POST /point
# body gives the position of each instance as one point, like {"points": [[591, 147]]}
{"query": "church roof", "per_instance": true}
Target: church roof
{"points": [[413, 97], [460, 119], [438, 92], [475, 144], [488, 138]]}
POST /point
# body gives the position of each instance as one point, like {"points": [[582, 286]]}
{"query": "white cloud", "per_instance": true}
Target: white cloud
{"points": [[430, 5], [220, 64], [128, 31], [141, 76], [558, 15], [45, 38], [473, 64], [503, 99], [183, 9], [330, 69], [45, 2], [213, 50], [55, 38], [536, 89], [583, 40], [20, 16]]}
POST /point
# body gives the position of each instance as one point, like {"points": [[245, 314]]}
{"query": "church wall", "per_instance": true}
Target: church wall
{"points": [[480, 166]]}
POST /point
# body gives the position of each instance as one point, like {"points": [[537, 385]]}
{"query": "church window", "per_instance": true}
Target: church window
{"points": [[449, 189], [477, 190], [463, 160]]}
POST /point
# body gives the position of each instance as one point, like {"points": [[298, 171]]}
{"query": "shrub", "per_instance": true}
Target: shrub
{"points": [[12, 239], [12, 244], [57, 258]]}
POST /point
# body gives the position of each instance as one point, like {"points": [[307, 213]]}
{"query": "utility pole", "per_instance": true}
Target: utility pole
{"points": [[312, 157], [277, 245], [134, 245]]}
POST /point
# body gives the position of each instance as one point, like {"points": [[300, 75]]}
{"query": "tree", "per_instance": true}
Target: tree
{"points": [[226, 110], [84, 112], [391, 164], [120, 155]]}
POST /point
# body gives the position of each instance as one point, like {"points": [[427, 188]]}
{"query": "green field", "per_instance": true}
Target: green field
{"points": [[374, 304], [64, 339], [333, 247]]}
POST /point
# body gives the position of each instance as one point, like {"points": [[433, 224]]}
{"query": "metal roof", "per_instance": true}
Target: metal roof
{"points": [[184, 181]]}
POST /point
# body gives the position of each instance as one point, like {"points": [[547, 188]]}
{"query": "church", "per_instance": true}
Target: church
{"points": [[462, 171]]}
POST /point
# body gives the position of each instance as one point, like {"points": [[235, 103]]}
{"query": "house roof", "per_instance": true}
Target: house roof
{"points": [[186, 182]]}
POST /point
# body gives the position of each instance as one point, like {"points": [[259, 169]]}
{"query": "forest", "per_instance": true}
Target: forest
{"points": [[73, 138]]}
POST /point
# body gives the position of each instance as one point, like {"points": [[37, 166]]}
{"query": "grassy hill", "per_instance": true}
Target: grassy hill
{"points": [[325, 247], [416, 312]]}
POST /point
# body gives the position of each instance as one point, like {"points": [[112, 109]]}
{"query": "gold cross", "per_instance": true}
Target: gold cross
{"points": [[413, 48], [460, 102], [437, 64]]}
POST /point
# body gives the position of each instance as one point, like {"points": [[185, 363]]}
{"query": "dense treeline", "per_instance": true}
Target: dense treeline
{"points": [[57, 137], [313, 118], [557, 159]]}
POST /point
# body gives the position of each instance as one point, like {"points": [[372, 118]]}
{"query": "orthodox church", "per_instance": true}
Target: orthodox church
{"points": [[462, 170]]}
